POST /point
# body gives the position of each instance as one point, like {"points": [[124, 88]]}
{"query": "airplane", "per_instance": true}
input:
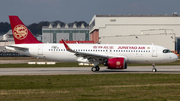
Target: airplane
{"points": [[114, 56]]}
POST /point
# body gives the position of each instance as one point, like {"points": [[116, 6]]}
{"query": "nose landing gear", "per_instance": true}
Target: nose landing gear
{"points": [[154, 68]]}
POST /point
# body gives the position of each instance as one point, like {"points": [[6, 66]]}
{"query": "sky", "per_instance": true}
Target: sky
{"points": [[34, 11]]}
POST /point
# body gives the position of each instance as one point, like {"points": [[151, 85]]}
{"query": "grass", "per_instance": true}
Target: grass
{"points": [[58, 64], [41, 65], [128, 87], [107, 87], [22, 65], [18, 58]]}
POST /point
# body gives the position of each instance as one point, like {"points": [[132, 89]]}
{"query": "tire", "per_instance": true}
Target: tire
{"points": [[154, 70], [93, 69], [97, 68]]}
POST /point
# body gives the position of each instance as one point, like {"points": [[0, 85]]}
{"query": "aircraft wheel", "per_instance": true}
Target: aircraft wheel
{"points": [[93, 69], [97, 68], [154, 70]]}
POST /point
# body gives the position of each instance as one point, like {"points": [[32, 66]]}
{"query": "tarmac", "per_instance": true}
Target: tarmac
{"points": [[87, 70]]}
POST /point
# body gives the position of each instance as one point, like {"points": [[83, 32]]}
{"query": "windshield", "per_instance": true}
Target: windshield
{"points": [[166, 51]]}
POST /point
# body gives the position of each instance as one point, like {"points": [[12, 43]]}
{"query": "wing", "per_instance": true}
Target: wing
{"points": [[93, 58]]}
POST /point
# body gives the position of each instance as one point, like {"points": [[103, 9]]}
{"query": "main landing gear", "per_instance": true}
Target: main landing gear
{"points": [[95, 69], [154, 68]]}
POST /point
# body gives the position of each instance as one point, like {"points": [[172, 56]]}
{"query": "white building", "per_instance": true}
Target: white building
{"points": [[161, 30], [8, 36]]}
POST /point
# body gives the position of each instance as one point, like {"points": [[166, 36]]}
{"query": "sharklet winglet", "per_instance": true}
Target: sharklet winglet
{"points": [[67, 47]]}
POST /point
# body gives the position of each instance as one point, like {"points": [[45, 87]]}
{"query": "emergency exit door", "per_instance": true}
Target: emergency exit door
{"points": [[40, 50], [154, 52]]}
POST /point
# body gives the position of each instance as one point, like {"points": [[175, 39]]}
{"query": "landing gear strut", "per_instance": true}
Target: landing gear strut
{"points": [[154, 68], [95, 69]]}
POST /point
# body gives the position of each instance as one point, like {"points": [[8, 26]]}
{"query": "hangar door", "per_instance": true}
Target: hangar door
{"points": [[154, 52], [177, 48]]}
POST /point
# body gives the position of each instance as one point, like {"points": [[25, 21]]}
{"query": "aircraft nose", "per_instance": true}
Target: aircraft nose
{"points": [[174, 57]]}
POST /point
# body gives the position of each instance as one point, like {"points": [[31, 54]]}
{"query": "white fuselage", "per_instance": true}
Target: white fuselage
{"points": [[131, 53]]}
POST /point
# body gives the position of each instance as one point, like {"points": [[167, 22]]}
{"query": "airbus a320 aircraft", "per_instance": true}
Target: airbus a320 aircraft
{"points": [[114, 56]]}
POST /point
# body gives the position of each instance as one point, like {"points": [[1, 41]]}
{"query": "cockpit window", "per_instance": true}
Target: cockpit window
{"points": [[166, 51]]}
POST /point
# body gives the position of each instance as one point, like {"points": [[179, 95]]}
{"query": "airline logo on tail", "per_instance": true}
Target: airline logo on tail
{"points": [[20, 32]]}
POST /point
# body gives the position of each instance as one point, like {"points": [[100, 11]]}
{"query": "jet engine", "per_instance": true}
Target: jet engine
{"points": [[81, 59], [116, 63]]}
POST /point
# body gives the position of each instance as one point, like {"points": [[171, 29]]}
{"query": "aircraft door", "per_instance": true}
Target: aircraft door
{"points": [[154, 52], [40, 50]]}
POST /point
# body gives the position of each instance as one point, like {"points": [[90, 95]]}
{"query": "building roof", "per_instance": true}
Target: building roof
{"points": [[57, 24], [9, 32], [173, 15], [74, 25]]}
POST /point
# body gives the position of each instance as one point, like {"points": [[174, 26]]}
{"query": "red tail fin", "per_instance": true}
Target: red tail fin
{"points": [[20, 32]]}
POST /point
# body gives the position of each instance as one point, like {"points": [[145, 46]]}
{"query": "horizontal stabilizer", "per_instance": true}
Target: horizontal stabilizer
{"points": [[18, 48]]}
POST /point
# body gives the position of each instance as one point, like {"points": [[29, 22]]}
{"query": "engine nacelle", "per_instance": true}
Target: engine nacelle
{"points": [[116, 63], [81, 59]]}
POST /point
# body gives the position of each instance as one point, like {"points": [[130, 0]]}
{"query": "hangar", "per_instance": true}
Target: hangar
{"points": [[161, 30], [54, 34]]}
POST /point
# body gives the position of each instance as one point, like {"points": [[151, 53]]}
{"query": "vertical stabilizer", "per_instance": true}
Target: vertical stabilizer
{"points": [[20, 32]]}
